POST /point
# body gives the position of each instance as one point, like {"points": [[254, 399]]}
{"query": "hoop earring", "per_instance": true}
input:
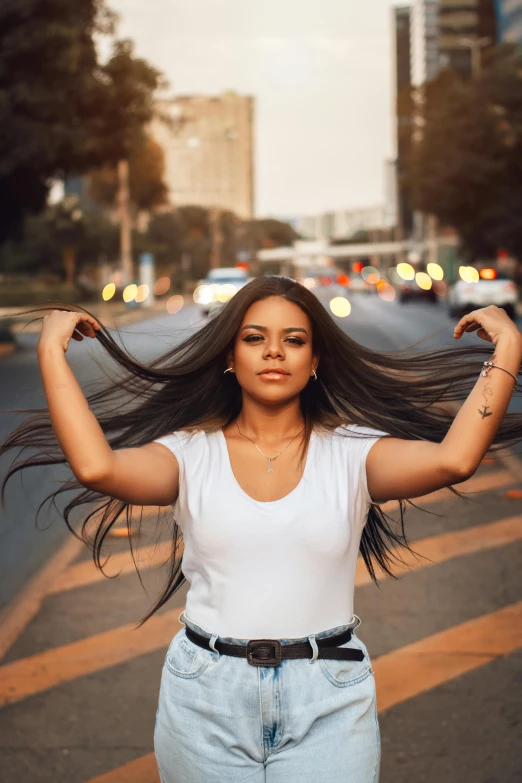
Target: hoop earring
{"points": [[229, 369]]}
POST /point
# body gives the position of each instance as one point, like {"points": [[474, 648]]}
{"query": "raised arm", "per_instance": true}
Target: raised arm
{"points": [[398, 469], [147, 475]]}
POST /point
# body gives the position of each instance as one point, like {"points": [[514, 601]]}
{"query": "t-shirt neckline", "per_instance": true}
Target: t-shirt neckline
{"points": [[265, 503]]}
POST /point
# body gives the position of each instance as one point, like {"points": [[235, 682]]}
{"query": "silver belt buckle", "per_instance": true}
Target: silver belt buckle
{"points": [[264, 652]]}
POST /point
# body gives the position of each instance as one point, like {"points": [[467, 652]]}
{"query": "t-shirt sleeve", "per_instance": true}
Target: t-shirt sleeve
{"points": [[175, 444], [360, 446]]}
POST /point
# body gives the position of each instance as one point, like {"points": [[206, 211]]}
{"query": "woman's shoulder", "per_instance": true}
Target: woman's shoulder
{"points": [[183, 439], [358, 429], [352, 434]]}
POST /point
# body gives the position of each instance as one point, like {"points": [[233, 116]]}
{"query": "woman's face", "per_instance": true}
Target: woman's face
{"points": [[274, 335]]}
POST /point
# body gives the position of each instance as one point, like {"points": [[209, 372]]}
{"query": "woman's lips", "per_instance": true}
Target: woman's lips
{"points": [[273, 375]]}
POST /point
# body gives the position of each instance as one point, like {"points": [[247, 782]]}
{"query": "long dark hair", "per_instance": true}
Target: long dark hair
{"points": [[404, 393]]}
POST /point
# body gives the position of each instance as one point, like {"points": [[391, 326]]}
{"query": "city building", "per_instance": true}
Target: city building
{"points": [[342, 224], [509, 21], [402, 108], [424, 40], [208, 143]]}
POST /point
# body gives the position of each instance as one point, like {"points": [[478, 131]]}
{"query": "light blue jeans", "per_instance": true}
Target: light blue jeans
{"points": [[222, 720]]}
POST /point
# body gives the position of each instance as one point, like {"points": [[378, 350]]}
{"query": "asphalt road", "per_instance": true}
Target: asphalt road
{"points": [[445, 639]]}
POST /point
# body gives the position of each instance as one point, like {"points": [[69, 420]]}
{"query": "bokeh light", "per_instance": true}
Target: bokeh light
{"points": [[202, 294], [225, 292], [162, 285], [435, 271], [142, 293], [469, 274], [440, 287], [340, 306], [423, 280], [108, 292], [405, 271], [370, 274], [394, 275], [174, 304], [386, 292], [129, 292]]}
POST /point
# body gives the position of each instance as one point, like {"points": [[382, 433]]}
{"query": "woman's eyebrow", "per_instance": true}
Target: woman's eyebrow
{"points": [[264, 328]]}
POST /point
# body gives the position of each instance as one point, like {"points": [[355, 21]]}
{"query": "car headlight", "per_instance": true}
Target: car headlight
{"points": [[225, 292], [202, 294]]}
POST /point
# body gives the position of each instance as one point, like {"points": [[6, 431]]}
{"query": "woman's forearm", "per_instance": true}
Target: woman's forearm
{"points": [[76, 428], [478, 420]]}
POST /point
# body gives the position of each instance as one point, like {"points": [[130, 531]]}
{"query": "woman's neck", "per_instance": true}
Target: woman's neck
{"points": [[270, 424]]}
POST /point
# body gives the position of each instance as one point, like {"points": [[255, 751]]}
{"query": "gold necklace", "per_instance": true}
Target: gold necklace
{"points": [[270, 459]]}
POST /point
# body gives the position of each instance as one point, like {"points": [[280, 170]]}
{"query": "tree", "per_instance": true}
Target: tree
{"points": [[255, 235], [60, 241], [467, 166], [61, 110], [146, 183]]}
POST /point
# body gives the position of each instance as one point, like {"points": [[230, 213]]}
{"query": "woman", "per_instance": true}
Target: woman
{"points": [[275, 437]]}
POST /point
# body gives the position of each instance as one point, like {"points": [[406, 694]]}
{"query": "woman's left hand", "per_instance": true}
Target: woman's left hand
{"points": [[491, 323]]}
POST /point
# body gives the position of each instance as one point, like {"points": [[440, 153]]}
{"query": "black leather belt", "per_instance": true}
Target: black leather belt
{"points": [[270, 652]]}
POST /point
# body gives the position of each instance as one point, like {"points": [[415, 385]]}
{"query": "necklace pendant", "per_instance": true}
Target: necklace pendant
{"points": [[270, 468]]}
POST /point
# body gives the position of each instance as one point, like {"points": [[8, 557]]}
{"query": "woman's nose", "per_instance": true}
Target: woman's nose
{"points": [[274, 350]]}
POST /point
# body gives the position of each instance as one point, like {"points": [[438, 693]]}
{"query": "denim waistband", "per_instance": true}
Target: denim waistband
{"points": [[354, 623]]}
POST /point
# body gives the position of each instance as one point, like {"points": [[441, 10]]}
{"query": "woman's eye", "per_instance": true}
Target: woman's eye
{"points": [[254, 338]]}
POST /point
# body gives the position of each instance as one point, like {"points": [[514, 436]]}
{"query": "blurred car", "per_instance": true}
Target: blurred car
{"points": [[408, 290], [218, 287], [492, 288], [358, 285]]}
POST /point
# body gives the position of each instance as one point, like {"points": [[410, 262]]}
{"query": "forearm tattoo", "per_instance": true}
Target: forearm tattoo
{"points": [[487, 392]]}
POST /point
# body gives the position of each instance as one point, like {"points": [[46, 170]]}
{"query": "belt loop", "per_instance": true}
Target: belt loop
{"points": [[358, 622], [212, 645], [315, 648], [180, 620]]}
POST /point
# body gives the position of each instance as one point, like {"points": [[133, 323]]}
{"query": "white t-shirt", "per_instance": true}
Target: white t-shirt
{"points": [[276, 569]]}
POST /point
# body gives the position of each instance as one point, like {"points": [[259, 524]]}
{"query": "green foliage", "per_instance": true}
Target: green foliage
{"points": [[467, 166], [61, 110], [39, 251]]}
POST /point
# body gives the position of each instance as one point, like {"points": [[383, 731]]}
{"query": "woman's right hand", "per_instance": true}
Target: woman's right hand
{"points": [[60, 325]]}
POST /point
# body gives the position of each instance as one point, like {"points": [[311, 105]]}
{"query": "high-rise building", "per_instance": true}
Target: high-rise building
{"points": [[401, 45], [209, 151], [424, 37], [509, 21], [459, 27]]}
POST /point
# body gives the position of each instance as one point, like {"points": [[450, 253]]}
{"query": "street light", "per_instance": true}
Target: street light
{"points": [[475, 45]]}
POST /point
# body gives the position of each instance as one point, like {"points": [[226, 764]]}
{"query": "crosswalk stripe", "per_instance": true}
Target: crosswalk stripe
{"points": [[46, 670], [121, 563], [27, 604], [403, 673], [421, 666], [143, 770], [438, 549]]}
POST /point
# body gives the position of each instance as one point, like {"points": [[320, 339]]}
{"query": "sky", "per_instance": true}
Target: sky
{"points": [[321, 74]]}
